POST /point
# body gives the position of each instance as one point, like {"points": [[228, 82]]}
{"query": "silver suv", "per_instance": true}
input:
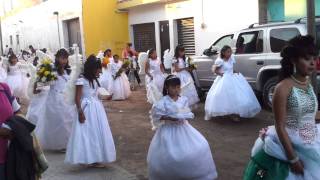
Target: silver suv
{"points": [[257, 52]]}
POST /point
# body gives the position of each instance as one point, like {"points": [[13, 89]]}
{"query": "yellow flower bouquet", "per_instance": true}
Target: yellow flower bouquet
{"points": [[45, 72]]}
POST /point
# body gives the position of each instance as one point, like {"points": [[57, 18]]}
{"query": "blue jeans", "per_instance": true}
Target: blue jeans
{"points": [[2, 172]]}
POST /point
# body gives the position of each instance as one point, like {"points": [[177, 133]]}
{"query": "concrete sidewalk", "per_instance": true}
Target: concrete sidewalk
{"points": [[58, 170]]}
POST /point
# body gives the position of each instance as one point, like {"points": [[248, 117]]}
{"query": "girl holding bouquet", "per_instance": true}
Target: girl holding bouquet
{"points": [[54, 127], [154, 76], [177, 150], [230, 93], [121, 86], [106, 77], [16, 78], [91, 140], [182, 67]]}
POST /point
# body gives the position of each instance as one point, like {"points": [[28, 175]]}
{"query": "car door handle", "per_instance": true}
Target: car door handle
{"points": [[260, 63]]}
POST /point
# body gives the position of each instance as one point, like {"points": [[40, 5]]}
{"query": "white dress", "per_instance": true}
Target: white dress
{"points": [[54, 127], [92, 141], [154, 87], [106, 79], [17, 81], [303, 133], [230, 94], [121, 86], [35, 108], [177, 150], [187, 82]]}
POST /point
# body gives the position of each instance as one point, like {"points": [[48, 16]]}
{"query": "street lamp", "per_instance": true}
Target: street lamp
{"points": [[56, 13]]}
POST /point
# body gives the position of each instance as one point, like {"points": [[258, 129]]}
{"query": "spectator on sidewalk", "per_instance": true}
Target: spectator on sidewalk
{"points": [[9, 106]]}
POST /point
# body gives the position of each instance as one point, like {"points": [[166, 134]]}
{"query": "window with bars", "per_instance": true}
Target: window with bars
{"points": [[185, 29], [144, 37]]}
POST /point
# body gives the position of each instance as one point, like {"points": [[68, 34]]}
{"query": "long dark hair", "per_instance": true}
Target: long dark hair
{"points": [[178, 49], [171, 80], [298, 47], [150, 52], [223, 51], [91, 66], [62, 53], [11, 57]]}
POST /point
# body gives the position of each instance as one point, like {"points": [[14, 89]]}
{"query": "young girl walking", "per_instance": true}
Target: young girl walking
{"points": [[177, 150], [154, 76], [121, 86], [230, 93], [16, 78], [181, 68], [54, 127], [91, 141]]}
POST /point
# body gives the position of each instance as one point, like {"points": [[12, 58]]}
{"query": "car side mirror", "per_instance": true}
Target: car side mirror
{"points": [[213, 50]]}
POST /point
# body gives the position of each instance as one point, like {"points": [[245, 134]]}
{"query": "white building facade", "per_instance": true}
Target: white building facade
{"points": [[196, 24], [51, 24]]}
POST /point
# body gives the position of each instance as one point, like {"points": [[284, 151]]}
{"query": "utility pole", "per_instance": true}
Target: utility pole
{"points": [[263, 11], [312, 31], [57, 14]]}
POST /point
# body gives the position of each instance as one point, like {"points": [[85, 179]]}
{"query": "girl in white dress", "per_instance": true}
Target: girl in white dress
{"points": [[154, 76], [181, 69], [91, 141], [17, 78], [106, 79], [230, 93], [121, 86], [290, 149], [177, 150], [54, 127]]}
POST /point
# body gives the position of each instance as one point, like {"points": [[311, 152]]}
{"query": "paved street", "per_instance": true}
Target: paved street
{"points": [[230, 143]]}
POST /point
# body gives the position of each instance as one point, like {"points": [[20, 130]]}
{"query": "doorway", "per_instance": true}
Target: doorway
{"points": [[74, 33], [164, 37]]}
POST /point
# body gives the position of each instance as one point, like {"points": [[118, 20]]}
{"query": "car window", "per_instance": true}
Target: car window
{"points": [[280, 37], [225, 40], [250, 42]]}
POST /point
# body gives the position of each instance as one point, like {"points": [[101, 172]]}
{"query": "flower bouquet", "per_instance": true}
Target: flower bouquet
{"points": [[45, 73], [124, 67], [191, 65]]}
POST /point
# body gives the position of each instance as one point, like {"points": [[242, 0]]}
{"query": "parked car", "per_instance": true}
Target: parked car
{"points": [[257, 52]]}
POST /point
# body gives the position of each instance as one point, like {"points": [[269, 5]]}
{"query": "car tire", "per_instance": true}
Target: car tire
{"points": [[268, 89]]}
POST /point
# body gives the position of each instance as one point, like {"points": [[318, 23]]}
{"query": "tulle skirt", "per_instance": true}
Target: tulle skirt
{"points": [[121, 88], [309, 153], [106, 80], [231, 94], [188, 88], [18, 84], [36, 107], [92, 141], [154, 87], [180, 152], [54, 127], [3, 74]]}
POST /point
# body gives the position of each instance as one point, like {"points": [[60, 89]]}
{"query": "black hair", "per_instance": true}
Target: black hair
{"points": [[11, 57], [115, 56], [151, 52], [129, 44], [44, 50], [297, 47], [62, 53], [178, 49], [91, 66], [223, 50], [106, 51], [171, 80]]}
